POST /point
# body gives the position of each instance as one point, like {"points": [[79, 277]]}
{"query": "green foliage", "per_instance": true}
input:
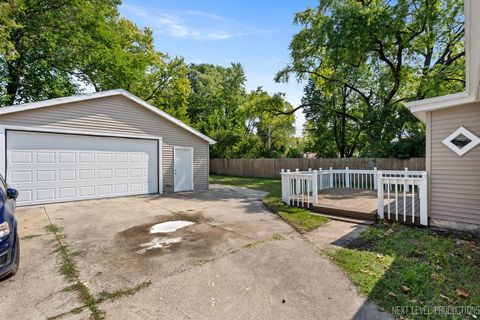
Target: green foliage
{"points": [[363, 60], [333, 128], [240, 122], [55, 48]]}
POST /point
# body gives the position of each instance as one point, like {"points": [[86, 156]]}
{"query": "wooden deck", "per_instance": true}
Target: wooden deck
{"points": [[363, 204]]}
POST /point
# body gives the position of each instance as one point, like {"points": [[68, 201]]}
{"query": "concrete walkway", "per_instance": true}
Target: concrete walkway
{"points": [[335, 234]]}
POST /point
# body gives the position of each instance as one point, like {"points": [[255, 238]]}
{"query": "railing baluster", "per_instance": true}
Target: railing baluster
{"points": [[413, 201], [405, 199], [314, 188], [301, 190], [388, 197]]}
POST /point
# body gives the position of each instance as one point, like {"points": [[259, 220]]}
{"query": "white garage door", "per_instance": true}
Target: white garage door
{"points": [[47, 167]]}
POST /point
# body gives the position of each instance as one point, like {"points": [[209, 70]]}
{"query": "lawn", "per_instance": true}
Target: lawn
{"points": [[301, 220], [415, 273]]}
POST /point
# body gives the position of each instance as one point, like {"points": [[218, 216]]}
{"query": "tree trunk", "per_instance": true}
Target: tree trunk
{"points": [[12, 82]]}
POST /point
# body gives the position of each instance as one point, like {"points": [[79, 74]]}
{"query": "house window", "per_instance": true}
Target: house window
{"points": [[461, 141]]}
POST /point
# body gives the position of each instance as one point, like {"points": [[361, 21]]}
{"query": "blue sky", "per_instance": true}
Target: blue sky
{"points": [[254, 33]]}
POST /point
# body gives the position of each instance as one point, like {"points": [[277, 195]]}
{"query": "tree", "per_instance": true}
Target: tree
{"points": [[333, 128], [275, 133], [38, 53], [165, 84], [216, 94], [54, 48], [380, 53], [240, 122]]}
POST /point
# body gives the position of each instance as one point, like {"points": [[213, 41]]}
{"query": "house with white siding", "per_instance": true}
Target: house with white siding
{"points": [[452, 141], [98, 145]]}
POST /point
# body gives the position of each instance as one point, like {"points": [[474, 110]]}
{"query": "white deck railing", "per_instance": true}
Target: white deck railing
{"points": [[404, 191], [299, 188], [405, 197]]}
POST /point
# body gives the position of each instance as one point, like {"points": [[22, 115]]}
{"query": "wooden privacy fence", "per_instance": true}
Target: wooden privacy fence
{"points": [[270, 168]]}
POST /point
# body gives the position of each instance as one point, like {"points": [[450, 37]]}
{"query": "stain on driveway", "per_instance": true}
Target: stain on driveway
{"points": [[195, 240]]}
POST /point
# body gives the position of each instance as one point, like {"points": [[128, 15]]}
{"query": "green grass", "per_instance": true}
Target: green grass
{"points": [[68, 269], [300, 219], [430, 266], [105, 295]]}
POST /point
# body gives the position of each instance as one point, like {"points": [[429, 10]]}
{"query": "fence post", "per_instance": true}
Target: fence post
{"points": [[406, 176], [309, 184], [282, 177], [331, 177], [381, 203], [297, 182], [321, 179], [423, 200], [375, 178], [347, 178], [314, 188]]}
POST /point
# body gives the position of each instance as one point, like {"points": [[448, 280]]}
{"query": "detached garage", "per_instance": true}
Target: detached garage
{"points": [[98, 145]]}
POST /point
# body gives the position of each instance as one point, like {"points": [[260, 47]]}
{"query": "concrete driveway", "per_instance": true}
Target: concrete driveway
{"points": [[235, 260]]}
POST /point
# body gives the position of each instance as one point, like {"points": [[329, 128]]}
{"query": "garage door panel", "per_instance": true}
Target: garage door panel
{"points": [[21, 176], [67, 193], [87, 191], [25, 195], [43, 194], [21, 157], [55, 167], [86, 157], [67, 175], [67, 157]]}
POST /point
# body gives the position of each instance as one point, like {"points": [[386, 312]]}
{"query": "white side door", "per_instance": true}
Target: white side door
{"points": [[183, 169]]}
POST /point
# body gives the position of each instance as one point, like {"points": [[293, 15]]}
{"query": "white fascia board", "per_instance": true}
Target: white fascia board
{"points": [[57, 101], [103, 94], [420, 107]]}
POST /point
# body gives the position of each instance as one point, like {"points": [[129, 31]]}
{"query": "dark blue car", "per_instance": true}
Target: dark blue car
{"points": [[9, 242]]}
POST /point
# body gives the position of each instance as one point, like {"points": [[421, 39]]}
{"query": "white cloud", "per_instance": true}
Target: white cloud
{"points": [[136, 10], [208, 15], [215, 28]]}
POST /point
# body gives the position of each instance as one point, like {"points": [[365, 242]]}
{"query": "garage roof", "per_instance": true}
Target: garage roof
{"points": [[103, 94]]}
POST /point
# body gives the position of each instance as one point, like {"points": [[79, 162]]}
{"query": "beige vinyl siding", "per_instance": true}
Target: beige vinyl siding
{"points": [[120, 115], [454, 180]]}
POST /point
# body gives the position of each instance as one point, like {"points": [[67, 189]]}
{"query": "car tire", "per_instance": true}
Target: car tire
{"points": [[16, 261]]}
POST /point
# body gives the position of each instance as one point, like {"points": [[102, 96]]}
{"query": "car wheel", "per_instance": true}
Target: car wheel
{"points": [[16, 261]]}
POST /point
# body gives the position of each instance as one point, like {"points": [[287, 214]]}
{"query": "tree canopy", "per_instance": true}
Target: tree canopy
{"points": [[363, 60], [240, 121], [55, 48]]}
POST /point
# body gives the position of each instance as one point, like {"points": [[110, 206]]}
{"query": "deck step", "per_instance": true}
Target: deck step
{"points": [[345, 219], [371, 216]]}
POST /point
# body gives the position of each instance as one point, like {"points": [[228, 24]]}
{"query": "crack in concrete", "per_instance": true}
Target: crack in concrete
{"points": [[107, 296]]}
